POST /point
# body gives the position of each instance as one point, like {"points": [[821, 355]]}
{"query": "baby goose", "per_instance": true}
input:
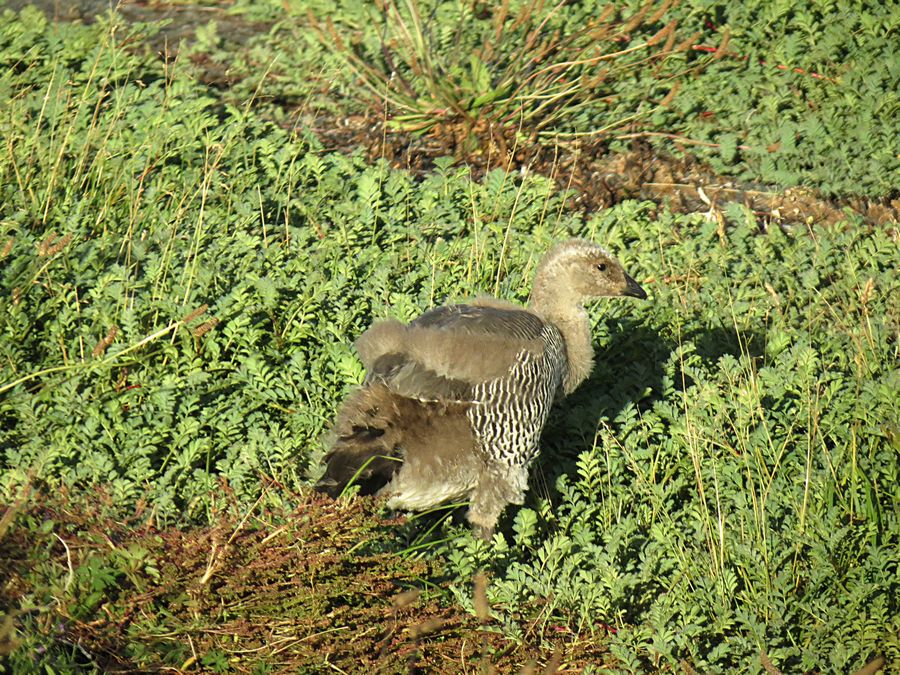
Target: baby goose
{"points": [[454, 403]]}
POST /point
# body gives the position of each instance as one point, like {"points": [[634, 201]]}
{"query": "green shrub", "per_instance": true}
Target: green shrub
{"points": [[808, 95]]}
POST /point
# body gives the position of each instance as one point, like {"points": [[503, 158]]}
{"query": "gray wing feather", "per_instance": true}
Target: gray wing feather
{"points": [[448, 351], [513, 323], [412, 379]]}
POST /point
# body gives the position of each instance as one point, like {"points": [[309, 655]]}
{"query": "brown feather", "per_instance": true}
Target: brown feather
{"points": [[377, 430]]}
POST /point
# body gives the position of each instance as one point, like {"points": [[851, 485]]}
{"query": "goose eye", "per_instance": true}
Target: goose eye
{"points": [[602, 267]]}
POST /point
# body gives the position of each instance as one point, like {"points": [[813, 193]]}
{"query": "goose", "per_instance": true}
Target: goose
{"points": [[454, 403]]}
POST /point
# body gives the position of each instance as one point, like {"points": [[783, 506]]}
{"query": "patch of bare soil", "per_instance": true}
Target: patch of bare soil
{"points": [[599, 177], [298, 591]]}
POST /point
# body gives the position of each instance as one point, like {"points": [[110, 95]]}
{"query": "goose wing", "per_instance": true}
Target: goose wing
{"points": [[508, 323], [446, 352]]}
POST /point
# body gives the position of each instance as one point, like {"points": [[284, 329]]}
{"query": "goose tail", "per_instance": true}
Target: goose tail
{"points": [[367, 441]]}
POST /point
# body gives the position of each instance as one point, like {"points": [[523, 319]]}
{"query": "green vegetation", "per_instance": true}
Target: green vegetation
{"points": [[181, 279], [794, 94], [809, 95], [521, 71]]}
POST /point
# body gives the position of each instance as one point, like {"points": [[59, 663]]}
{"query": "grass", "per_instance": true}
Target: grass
{"points": [[181, 281], [519, 72]]}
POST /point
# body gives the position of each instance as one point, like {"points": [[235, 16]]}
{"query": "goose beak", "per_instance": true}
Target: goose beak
{"points": [[634, 289]]}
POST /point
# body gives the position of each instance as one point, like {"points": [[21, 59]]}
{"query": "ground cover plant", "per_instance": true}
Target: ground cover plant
{"points": [[181, 281]]}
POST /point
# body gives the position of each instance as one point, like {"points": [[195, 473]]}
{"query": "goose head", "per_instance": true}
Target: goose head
{"points": [[575, 272]]}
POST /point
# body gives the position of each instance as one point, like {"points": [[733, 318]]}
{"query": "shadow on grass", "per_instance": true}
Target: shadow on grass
{"points": [[630, 369]]}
